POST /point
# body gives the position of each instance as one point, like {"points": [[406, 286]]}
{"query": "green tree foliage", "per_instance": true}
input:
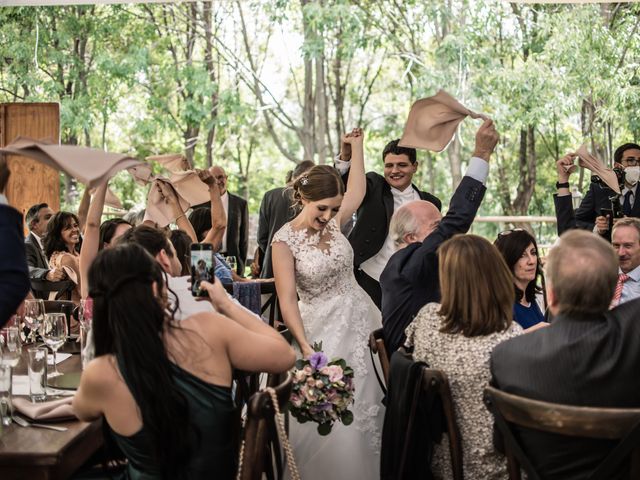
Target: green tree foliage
{"points": [[257, 86]]}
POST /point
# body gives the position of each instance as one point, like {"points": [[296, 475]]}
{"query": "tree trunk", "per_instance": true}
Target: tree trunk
{"points": [[453, 152], [321, 111]]}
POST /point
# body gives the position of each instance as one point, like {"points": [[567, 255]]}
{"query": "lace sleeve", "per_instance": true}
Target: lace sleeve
{"points": [[281, 235]]}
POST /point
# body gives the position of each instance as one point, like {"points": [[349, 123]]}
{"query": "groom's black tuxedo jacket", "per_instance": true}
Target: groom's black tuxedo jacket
{"points": [[585, 361], [372, 224], [410, 279]]}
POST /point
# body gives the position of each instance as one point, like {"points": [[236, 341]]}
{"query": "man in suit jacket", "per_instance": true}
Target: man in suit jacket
{"points": [[588, 356], [235, 241], [410, 279], [37, 220], [625, 237], [276, 210], [372, 246], [590, 215], [14, 276]]}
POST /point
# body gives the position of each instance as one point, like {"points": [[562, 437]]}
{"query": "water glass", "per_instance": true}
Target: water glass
{"points": [[33, 316], [11, 346], [85, 354], [54, 332], [5, 394], [37, 373]]}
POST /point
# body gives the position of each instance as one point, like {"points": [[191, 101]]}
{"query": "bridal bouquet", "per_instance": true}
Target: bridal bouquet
{"points": [[322, 391]]}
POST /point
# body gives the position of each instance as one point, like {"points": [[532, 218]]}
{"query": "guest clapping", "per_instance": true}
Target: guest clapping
{"points": [[169, 405]]}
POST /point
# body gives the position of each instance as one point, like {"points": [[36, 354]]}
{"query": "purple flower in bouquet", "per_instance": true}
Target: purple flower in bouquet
{"points": [[318, 360]]}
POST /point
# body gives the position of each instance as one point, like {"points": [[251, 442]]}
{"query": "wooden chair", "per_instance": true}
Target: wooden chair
{"points": [[585, 422], [436, 382], [377, 346], [432, 391], [42, 288], [261, 446]]}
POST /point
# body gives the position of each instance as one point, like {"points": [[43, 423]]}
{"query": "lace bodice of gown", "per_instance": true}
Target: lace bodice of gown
{"points": [[323, 261]]}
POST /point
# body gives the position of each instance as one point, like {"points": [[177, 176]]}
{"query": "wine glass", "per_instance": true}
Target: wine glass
{"points": [[231, 261], [33, 316], [54, 332], [11, 346]]}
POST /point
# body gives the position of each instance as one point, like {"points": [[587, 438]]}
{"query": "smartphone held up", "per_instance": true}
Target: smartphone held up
{"points": [[202, 267]]}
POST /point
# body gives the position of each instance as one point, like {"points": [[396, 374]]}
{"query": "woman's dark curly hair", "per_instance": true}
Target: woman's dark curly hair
{"points": [[53, 239]]}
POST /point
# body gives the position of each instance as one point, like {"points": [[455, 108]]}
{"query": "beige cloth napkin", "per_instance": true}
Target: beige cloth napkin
{"points": [[174, 162], [88, 165], [433, 122], [158, 211], [607, 175], [189, 186], [53, 410]]}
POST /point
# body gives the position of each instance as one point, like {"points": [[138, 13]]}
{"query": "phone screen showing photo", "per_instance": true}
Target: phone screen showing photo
{"points": [[202, 268]]}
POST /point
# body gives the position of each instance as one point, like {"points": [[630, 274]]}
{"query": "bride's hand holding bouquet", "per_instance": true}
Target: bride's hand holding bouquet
{"points": [[322, 392]]}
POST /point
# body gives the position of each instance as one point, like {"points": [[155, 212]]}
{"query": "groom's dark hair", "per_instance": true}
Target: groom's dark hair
{"points": [[394, 148]]}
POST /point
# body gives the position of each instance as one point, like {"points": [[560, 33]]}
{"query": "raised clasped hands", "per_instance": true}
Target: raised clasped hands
{"points": [[487, 138], [347, 141]]}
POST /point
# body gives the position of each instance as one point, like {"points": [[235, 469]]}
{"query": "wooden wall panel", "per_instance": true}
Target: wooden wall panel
{"points": [[31, 182]]}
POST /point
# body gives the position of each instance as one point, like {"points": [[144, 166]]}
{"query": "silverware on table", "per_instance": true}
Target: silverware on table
{"points": [[24, 423]]}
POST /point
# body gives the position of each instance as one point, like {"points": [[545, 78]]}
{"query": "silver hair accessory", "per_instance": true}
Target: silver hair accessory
{"points": [[304, 180]]}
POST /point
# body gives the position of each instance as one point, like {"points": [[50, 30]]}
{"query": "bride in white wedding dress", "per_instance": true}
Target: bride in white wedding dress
{"points": [[313, 260]]}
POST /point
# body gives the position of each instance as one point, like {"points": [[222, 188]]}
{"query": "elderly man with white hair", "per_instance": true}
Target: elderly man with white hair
{"points": [[410, 279]]}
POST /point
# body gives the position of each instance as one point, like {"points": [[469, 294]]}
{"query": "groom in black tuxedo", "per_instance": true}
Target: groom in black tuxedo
{"points": [[372, 246]]}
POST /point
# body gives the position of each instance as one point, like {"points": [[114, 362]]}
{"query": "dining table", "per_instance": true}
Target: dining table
{"points": [[31, 453]]}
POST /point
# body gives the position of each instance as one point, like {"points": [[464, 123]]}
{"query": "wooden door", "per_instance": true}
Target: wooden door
{"points": [[31, 182]]}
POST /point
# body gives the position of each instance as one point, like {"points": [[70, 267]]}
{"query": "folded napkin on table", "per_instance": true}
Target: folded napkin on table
{"points": [[52, 410], [433, 121]]}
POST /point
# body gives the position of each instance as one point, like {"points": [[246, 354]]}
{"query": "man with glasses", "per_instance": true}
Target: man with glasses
{"points": [[590, 214], [235, 241]]}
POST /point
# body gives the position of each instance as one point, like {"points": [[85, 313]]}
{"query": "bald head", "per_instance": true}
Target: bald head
{"points": [[413, 222], [221, 178]]}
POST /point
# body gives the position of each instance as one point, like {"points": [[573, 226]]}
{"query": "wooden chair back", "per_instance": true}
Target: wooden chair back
{"points": [[436, 382], [260, 438], [377, 346], [585, 422], [42, 288]]}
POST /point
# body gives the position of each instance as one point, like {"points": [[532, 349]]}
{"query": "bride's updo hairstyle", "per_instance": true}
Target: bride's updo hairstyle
{"points": [[322, 181]]}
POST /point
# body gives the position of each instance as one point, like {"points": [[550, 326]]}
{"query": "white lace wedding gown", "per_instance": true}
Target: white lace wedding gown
{"points": [[337, 312]]}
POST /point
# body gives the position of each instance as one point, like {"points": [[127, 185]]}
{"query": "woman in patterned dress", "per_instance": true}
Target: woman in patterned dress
{"points": [[457, 337]]}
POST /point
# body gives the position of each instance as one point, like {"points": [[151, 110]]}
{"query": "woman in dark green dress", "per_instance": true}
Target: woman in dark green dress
{"points": [[164, 387]]}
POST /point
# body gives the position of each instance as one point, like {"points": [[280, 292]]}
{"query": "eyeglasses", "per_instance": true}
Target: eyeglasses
{"points": [[631, 161], [511, 230]]}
